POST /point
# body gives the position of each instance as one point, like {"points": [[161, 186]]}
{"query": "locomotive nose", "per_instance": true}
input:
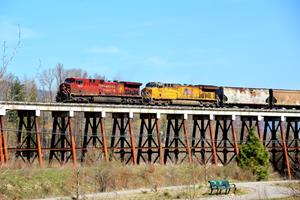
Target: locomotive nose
{"points": [[64, 93], [64, 88], [146, 92]]}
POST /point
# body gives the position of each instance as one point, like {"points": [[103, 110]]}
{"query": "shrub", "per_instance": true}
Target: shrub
{"points": [[254, 156]]}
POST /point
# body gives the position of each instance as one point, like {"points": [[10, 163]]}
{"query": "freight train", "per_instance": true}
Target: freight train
{"points": [[155, 93]]}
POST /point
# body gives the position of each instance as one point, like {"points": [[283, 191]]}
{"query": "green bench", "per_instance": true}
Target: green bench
{"points": [[220, 185]]}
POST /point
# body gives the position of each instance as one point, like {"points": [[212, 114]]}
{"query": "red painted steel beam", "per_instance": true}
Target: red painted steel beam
{"points": [[285, 150], [258, 130], [72, 139], [236, 147], [104, 139], [4, 151], [214, 150], [161, 153], [38, 142], [187, 143], [133, 153], [1, 151]]}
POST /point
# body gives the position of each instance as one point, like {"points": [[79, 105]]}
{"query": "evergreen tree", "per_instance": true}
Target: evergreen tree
{"points": [[33, 93], [17, 93], [254, 156]]}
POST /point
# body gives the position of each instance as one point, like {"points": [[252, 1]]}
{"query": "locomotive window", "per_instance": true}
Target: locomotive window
{"points": [[69, 80], [79, 82], [152, 84]]}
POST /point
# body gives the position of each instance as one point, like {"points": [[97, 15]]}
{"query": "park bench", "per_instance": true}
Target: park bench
{"points": [[220, 185]]}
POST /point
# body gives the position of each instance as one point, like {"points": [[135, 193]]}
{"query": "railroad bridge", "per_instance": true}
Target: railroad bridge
{"points": [[151, 134]]}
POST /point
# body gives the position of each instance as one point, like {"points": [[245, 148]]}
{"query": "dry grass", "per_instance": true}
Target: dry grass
{"points": [[23, 183]]}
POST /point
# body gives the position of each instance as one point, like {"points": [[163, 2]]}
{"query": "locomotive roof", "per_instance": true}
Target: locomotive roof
{"points": [[124, 82], [131, 83], [177, 84]]}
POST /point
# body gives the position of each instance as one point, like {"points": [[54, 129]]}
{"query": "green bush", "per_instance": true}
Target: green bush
{"points": [[254, 156]]}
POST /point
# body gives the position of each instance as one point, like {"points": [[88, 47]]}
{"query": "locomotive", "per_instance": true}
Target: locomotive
{"points": [[177, 94], [98, 91], [155, 93]]}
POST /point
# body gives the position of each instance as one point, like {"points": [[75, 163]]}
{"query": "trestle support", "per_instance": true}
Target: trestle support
{"points": [[225, 139], [274, 139], [203, 147], [149, 141], [94, 135], [28, 137], [177, 141], [62, 147], [123, 143]]}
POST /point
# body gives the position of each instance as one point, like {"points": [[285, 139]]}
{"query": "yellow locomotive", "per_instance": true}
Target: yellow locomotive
{"points": [[156, 93]]}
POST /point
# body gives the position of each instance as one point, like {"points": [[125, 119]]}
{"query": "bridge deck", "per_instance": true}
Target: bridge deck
{"points": [[71, 107]]}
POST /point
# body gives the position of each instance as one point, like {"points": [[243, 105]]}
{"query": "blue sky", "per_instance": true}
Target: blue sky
{"points": [[252, 43]]}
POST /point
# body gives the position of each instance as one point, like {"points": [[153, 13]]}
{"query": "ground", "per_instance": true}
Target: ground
{"points": [[246, 191]]}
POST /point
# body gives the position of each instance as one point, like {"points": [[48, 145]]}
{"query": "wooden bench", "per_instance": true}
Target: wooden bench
{"points": [[220, 185]]}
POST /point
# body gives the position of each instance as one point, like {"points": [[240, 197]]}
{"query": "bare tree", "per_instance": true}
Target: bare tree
{"points": [[6, 80], [6, 59], [75, 72], [60, 74], [5, 87], [98, 76], [46, 79]]}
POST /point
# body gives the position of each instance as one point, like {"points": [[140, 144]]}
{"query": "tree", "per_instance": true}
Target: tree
{"points": [[254, 156], [30, 89], [6, 59], [46, 79], [75, 72], [5, 87], [60, 74], [98, 76], [17, 93]]}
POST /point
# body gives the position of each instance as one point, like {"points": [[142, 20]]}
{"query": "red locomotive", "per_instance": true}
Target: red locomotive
{"points": [[98, 91]]}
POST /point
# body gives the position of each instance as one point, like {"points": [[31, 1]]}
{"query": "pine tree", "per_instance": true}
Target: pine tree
{"points": [[33, 93], [17, 93], [254, 156]]}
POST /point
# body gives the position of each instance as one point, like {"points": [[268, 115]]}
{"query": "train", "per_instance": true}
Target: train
{"points": [[87, 90]]}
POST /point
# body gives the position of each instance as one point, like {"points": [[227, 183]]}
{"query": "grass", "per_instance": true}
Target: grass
{"points": [[29, 183]]}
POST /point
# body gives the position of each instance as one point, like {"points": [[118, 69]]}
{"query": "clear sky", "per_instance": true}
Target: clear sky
{"points": [[252, 43]]}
